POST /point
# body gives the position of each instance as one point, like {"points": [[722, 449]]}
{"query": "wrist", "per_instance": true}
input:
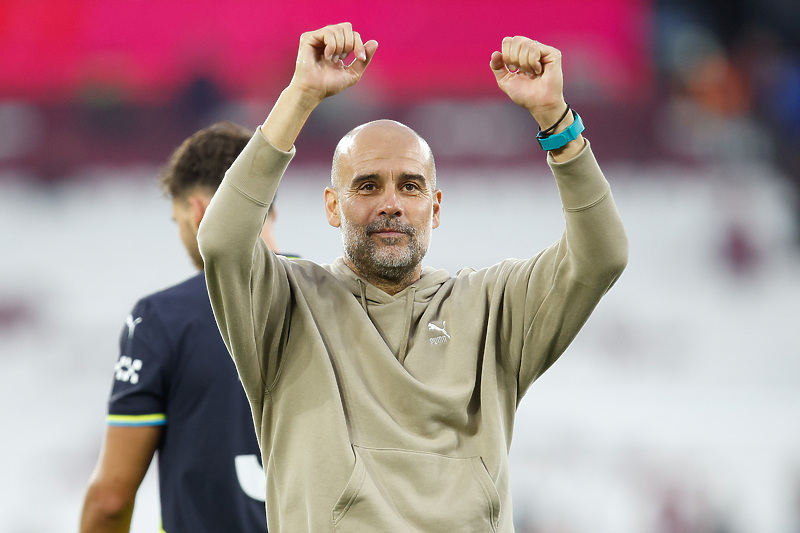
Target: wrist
{"points": [[288, 116], [301, 97], [547, 116], [562, 132]]}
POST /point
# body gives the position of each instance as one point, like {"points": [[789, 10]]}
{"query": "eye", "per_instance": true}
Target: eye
{"points": [[368, 187], [410, 186]]}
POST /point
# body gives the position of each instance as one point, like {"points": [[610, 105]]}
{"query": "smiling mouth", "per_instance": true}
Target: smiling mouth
{"points": [[389, 233], [390, 230], [390, 238]]}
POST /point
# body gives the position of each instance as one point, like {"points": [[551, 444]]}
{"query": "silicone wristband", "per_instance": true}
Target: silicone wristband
{"points": [[559, 140]]}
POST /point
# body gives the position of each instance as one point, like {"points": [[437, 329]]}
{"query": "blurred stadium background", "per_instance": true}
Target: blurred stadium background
{"points": [[677, 408]]}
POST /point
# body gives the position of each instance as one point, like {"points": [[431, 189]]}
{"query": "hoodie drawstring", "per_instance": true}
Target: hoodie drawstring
{"points": [[408, 311], [363, 288], [407, 330]]}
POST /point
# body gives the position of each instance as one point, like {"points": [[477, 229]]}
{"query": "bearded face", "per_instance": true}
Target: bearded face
{"points": [[384, 199], [386, 248]]}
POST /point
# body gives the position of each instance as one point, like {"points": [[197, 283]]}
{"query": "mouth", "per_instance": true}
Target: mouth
{"points": [[388, 229], [389, 233]]}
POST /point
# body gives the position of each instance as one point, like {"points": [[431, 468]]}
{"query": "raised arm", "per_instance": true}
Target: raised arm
{"points": [[560, 288], [246, 282]]}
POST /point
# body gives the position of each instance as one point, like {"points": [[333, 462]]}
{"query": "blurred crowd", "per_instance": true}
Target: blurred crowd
{"points": [[730, 81]]}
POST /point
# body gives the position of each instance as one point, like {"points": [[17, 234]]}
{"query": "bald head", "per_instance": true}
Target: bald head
{"points": [[379, 139], [384, 199]]}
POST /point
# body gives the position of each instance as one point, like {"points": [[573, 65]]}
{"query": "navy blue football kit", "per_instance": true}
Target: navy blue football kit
{"points": [[174, 370]]}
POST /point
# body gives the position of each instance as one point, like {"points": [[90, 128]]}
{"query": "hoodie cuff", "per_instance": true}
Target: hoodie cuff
{"points": [[580, 181], [258, 169]]}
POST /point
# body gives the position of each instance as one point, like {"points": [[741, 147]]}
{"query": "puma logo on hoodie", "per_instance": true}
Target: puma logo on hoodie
{"points": [[441, 338]]}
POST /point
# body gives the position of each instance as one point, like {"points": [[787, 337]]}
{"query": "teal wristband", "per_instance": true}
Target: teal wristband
{"points": [[554, 142]]}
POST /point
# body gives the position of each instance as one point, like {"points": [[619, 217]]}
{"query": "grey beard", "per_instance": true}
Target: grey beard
{"points": [[389, 262]]}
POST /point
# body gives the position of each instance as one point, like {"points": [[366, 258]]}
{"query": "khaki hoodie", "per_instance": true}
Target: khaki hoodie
{"points": [[395, 413]]}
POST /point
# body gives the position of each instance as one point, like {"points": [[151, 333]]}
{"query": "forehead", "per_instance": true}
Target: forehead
{"points": [[384, 150]]}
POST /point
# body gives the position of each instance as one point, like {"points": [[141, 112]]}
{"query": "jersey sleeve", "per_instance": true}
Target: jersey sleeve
{"points": [[139, 390]]}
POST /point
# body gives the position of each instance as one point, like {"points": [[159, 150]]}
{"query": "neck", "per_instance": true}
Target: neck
{"points": [[390, 286]]}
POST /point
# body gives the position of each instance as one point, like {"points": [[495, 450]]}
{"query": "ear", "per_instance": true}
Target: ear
{"points": [[437, 205], [332, 207], [198, 204]]}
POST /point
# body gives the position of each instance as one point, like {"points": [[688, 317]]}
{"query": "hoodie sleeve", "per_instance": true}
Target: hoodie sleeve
{"points": [[247, 283], [560, 288]]}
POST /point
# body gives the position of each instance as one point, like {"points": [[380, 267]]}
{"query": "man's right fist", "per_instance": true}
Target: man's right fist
{"points": [[321, 70]]}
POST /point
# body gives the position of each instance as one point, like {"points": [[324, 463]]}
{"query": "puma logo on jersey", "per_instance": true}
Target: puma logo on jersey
{"points": [[131, 323], [127, 369], [444, 337]]}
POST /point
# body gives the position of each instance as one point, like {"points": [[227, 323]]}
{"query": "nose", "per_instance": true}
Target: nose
{"points": [[391, 206]]}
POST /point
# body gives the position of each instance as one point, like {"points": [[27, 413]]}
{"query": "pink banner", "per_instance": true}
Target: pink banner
{"points": [[52, 50]]}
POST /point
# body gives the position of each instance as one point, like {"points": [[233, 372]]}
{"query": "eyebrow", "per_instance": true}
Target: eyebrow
{"points": [[361, 178], [414, 177], [406, 176]]}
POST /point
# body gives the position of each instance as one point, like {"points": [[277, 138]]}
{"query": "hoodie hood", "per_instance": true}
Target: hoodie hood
{"points": [[395, 317], [424, 288]]}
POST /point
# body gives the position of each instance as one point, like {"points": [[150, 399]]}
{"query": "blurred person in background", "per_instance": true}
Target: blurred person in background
{"points": [[176, 390], [384, 394]]}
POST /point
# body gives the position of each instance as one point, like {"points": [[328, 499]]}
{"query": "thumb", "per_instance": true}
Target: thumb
{"points": [[358, 66], [498, 66]]}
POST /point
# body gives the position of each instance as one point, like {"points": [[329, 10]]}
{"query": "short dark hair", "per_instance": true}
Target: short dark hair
{"points": [[202, 160]]}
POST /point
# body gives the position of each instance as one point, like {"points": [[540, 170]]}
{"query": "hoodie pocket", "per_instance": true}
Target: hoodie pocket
{"points": [[400, 490], [352, 491]]}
